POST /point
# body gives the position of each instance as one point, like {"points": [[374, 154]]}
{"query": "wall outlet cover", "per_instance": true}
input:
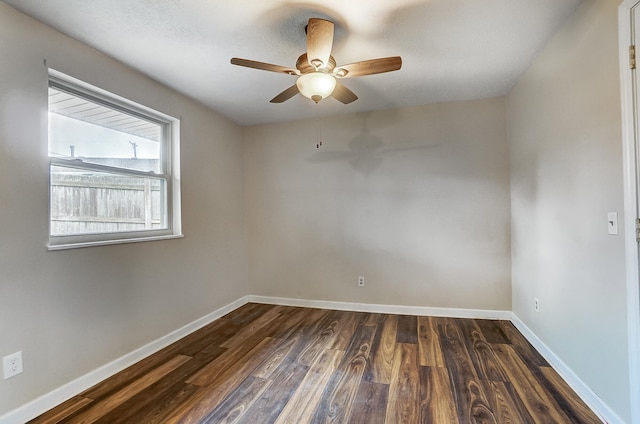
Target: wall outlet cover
{"points": [[12, 365]]}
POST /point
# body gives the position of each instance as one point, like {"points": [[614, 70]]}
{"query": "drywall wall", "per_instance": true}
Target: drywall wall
{"points": [[416, 200], [74, 310], [566, 174]]}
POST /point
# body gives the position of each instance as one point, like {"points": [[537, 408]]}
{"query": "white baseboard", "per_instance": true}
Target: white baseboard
{"points": [[42, 404], [588, 396], [384, 309]]}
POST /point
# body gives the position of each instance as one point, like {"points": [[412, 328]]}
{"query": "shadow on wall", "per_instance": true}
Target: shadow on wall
{"points": [[366, 151]]}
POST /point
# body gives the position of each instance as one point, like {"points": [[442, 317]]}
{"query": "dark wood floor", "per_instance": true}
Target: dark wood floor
{"points": [[277, 364]]}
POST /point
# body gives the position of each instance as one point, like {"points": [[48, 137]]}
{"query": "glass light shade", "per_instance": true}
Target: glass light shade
{"points": [[316, 85]]}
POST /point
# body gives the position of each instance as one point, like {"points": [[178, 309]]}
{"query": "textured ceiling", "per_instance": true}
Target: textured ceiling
{"points": [[451, 49]]}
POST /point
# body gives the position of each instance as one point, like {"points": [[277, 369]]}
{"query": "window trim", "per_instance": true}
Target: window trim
{"points": [[170, 158]]}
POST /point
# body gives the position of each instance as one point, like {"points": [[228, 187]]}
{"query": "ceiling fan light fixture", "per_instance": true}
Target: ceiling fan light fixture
{"points": [[317, 71], [316, 85]]}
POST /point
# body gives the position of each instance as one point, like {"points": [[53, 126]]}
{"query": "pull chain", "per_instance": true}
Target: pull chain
{"points": [[319, 133]]}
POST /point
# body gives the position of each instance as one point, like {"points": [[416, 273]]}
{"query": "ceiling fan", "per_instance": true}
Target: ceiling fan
{"points": [[316, 69]]}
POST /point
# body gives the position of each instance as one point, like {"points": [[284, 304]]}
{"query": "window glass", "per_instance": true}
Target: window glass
{"points": [[90, 202], [80, 128]]}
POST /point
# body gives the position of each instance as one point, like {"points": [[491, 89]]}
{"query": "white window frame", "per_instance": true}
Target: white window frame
{"points": [[170, 158]]}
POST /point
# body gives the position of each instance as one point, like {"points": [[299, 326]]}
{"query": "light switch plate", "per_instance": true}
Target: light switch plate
{"points": [[612, 223]]}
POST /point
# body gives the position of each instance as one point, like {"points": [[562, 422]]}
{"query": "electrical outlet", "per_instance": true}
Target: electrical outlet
{"points": [[361, 281], [536, 304], [12, 364]]}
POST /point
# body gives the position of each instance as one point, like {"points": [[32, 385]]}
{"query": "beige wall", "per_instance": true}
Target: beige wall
{"points": [[566, 161], [75, 310], [416, 200]]}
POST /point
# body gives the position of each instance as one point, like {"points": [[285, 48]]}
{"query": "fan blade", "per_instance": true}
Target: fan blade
{"points": [[286, 94], [369, 67], [319, 42], [264, 66], [343, 94]]}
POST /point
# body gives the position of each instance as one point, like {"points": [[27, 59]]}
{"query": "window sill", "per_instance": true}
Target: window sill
{"points": [[108, 242]]}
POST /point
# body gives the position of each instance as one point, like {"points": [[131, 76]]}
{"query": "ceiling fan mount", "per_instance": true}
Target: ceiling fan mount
{"points": [[317, 69]]}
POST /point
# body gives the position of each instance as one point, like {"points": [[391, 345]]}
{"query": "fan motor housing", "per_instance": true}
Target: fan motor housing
{"points": [[302, 64]]}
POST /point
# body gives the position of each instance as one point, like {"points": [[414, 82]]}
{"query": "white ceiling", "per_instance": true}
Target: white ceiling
{"points": [[451, 49]]}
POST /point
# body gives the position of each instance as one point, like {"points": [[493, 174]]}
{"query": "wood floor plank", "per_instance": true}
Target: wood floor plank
{"points": [[481, 353], [280, 389], [566, 398], [322, 337], [235, 406], [285, 374], [159, 407], [256, 357], [430, 353], [403, 403], [541, 407], [102, 407], [291, 320], [231, 358], [371, 400], [375, 319], [506, 408], [347, 324], [337, 399], [219, 387], [437, 403], [191, 410], [162, 394], [302, 405], [383, 349], [492, 331], [527, 352], [284, 353], [259, 326], [211, 335], [64, 410], [480, 411], [407, 329], [304, 317], [471, 401], [247, 313], [296, 348], [264, 364]]}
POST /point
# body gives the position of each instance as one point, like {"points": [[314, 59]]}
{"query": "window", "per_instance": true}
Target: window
{"points": [[113, 168]]}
